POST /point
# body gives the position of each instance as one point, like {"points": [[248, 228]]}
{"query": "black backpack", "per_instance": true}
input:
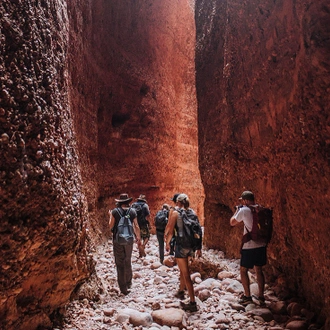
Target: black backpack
{"points": [[192, 230], [124, 233], [262, 227], [139, 208], [161, 220]]}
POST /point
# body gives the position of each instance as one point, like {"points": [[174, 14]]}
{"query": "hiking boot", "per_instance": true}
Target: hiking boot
{"points": [[245, 300], [191, 306], [179, 294], [260, 300]]}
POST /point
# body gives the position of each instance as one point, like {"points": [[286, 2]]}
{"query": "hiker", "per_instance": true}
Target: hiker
{"points": [[123, 253], [253, 253], [181, 253], [161, 220], [142, 210]]}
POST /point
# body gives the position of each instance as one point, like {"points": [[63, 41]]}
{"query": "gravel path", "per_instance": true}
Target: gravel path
{"points": [[98, 303]]}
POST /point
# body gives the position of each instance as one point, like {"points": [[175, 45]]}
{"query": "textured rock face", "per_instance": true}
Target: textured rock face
{"points": [[43, 213], [263, 95], [133, 90], [97, 98]]}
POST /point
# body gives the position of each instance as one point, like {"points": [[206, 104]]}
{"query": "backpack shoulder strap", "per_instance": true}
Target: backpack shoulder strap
{"points": [[119, 211]]}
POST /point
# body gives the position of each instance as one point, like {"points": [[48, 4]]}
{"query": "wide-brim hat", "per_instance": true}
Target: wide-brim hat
{"points": [[247, 195], [141, 198], [123, 198]]}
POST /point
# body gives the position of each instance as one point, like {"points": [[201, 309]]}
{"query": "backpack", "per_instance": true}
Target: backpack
{"points": [[262, 228], [124, 233], [142, 221], [161, 220], [192, 230]]}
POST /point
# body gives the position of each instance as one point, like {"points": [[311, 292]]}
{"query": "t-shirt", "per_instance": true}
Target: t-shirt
{"points": [[117, 216], [244, 214]]}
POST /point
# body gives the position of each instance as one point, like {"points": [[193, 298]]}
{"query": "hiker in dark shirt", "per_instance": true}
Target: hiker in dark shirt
{"points": [[182, 253], [253, 253], [123, 253], [143, 213]]}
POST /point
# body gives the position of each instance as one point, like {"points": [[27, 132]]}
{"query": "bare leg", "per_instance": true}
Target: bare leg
{"points": [[260, 280], [185, 275], [245, 281]]}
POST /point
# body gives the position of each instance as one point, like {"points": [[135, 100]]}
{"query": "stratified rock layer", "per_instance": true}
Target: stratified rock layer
{"points": [[263, 95]]}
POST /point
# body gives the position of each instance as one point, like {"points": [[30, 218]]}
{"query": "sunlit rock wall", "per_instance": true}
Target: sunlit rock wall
{"points": [[133, 93], [263, 93], [43, 212]]}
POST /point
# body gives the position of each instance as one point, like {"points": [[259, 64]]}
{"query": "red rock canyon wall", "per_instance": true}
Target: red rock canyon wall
{"points": [[43, 210], [263, 99], [133, 90]]}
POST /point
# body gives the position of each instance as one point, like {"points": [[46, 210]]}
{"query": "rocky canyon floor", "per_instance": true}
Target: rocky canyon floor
{"points": [[151, 304]]}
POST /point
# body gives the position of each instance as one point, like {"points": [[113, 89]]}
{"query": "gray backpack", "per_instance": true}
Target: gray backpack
{"points": [[124, 233]]}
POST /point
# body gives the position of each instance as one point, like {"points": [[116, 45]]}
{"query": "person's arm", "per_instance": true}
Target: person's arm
{"points": [[233, 222], [169, 216], [111, 220], [170, 228], [136, 229]]}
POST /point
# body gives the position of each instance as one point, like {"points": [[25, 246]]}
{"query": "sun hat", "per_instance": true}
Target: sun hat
{"points": [[123, 198], [142, 198]]}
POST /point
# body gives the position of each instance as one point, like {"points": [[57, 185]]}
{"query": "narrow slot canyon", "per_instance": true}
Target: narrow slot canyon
{"points": [[206, 97]]}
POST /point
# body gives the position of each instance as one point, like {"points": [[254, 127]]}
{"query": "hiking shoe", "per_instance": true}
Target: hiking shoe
{"points": [[260, 300], [245, 300], [179, 294], [191, 306], [125, 292]]}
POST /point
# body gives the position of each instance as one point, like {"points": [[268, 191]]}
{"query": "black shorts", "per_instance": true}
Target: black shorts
{"points": [[181, 252], [254, 257]]}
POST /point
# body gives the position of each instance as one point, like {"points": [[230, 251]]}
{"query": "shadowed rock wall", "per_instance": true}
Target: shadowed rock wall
{"points": [[43, 211], [133, 93], [263, 95]]}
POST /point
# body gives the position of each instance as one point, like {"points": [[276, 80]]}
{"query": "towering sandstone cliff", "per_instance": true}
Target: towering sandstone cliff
{"points": [[263, 98], [98, 98]]}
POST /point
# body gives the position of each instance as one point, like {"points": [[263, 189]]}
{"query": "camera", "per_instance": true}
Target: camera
{"points": [[238, 207]]}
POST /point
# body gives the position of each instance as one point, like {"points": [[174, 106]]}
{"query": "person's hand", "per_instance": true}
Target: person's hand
{"points": [[198, 254], [109, 212], [138, 241], [167, 247]]}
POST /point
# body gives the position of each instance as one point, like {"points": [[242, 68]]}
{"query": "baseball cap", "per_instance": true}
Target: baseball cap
{"points": [[181, 197], [248, 195]]}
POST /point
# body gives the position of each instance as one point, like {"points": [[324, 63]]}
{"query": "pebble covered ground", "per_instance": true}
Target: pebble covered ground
{"points": [[151, 304]]}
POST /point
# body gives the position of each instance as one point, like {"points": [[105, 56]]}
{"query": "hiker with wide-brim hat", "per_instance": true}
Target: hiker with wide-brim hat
{"points": [[142, 209], [123, 253]]}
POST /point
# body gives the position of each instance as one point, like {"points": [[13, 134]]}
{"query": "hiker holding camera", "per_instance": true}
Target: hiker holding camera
{"points": [[253, 252]]}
